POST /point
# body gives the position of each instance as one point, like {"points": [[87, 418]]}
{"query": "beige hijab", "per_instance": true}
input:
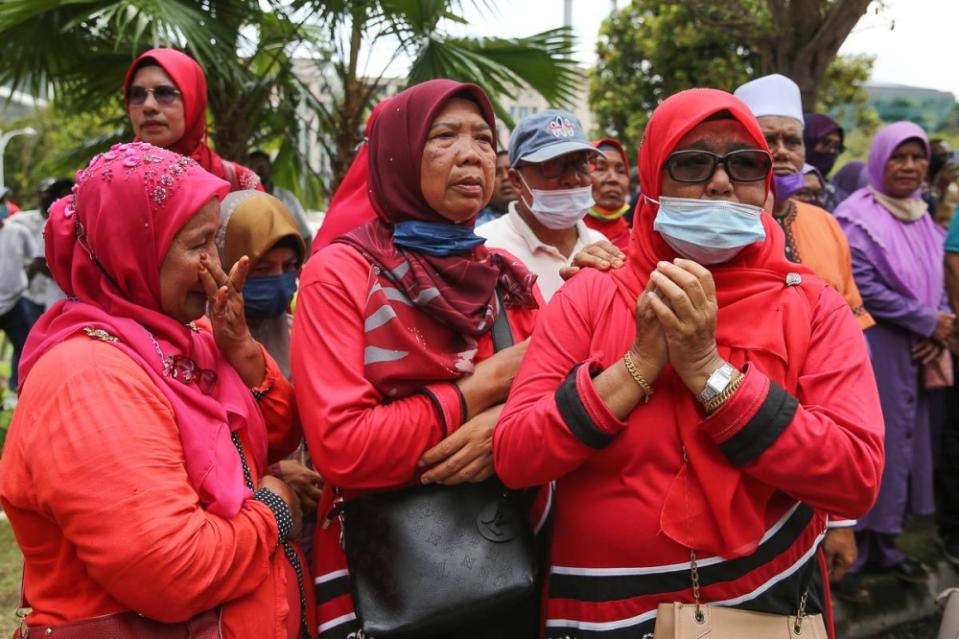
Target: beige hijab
{"points": [[251, 223]]}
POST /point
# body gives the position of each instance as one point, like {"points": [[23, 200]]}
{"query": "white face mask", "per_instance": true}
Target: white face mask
{"points": [[560, 209], [708, 231]]}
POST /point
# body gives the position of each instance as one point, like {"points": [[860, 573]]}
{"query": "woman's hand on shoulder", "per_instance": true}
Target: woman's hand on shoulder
{"points": [[466, 455], [684, 301], [602, 256]]}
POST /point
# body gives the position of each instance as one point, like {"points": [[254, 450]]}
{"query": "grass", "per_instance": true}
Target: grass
{"points": [[11, 564]]}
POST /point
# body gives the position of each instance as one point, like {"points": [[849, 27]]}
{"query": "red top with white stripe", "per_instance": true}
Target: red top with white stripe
{"points": [[819, 444], [371, 403]]}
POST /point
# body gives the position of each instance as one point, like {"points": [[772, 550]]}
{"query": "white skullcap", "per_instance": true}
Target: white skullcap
{"points": [[772, 95]]}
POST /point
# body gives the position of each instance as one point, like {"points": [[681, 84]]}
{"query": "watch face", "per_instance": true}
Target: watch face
{"points": [[717, 382]]}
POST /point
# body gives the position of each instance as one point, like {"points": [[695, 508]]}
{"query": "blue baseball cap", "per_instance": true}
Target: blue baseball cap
{"points": [[545, 135]]}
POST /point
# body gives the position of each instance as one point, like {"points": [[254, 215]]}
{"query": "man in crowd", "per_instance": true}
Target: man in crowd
{"points": [[503, 192], [549, 159], [17, 249], [42, 292], [260, 163], [813, 238]]}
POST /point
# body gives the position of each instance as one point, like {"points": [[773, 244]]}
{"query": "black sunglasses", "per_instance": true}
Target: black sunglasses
{"points": [[746, 165], [165, 95]]}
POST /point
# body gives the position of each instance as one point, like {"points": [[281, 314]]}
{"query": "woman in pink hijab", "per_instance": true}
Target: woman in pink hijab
{"points": [[133, 472]]}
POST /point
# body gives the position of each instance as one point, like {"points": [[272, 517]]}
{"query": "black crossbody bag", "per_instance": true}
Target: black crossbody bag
{"points": [[428, 559]]}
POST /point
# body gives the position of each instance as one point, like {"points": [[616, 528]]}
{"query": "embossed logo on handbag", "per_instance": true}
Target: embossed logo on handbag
{"points": [[496, 522]]}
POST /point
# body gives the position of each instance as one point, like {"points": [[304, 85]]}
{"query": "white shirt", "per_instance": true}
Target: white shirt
{"points": [[43, 291], [17, 248], [512, 234]]}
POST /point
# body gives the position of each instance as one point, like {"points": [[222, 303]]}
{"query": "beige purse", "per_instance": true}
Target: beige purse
{"points": [[696, 620]]}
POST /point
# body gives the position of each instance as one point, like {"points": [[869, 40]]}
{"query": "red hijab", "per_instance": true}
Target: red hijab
{"points": [[458, 290], [189, 78], [617, 229], [711, 505], [105, 246], [350, 206]]}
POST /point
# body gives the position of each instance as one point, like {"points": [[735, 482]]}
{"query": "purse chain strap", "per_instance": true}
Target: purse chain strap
{"points": [[694, 574]]}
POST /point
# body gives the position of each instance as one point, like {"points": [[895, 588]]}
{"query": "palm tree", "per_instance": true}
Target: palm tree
{"points": [[78, 50]]}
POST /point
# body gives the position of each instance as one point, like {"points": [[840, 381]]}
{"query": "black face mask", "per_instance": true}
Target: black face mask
{"points": [[936, 162], [822, 161]]}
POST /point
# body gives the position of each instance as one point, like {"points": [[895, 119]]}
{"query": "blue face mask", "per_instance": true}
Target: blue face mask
{"points": [[708, 231], [268, 296], [787, 185], [435, 238], [4, 211]]}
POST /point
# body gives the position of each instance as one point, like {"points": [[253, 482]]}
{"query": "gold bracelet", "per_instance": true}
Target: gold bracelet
{"points": [[639, 379], [717, 401]]}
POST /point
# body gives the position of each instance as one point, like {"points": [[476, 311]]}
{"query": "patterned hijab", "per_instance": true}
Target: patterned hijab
{"points": [[105, 246], [458, 290]]}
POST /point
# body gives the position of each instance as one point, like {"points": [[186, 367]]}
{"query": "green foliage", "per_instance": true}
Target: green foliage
{"points": [[64, 142], [843, 95], [652, 49], [247, 48]]}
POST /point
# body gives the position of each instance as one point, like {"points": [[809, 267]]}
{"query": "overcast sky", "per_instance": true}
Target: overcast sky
{"points": [[904, 54]]}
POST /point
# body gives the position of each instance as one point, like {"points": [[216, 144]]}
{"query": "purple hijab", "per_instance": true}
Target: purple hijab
{"points": [[850, 178], [816, 126], [907, 255]]}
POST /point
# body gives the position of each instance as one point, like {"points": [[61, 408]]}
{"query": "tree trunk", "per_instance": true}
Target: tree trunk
{"points": [[807, 35]]}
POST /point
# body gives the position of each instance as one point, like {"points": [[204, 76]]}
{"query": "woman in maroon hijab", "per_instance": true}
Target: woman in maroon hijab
{"points": [[392, 347]]}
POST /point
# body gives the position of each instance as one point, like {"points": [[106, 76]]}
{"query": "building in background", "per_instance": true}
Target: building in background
{"points": [[928, 108]]}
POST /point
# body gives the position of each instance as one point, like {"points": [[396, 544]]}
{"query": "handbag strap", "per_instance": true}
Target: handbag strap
{"points": [[700, 617], [502, 333]]}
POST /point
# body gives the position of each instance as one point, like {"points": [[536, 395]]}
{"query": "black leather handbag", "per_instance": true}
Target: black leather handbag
{"points": [[428, 559]]}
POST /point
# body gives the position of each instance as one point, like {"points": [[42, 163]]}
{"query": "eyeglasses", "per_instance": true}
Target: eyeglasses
{"points": [[165, 95], [810, 196], [560, 166], [185, 369], [746, 165]]}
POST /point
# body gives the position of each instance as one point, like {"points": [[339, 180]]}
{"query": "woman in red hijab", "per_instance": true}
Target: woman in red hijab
{"points": [[165, 96], [133, 472], [610, 176], [350, 206], [684, 402], [392, 346]]}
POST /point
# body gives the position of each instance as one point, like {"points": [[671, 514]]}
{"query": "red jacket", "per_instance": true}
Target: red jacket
{"points": [[611, 562], [94, 483], [362, 437]]}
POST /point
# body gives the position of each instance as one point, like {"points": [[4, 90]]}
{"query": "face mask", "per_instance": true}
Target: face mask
{"points": [[268, 296], [708, 231], [822, 161], [435, 238], [787, 185], [4, 211], [560, 209]]}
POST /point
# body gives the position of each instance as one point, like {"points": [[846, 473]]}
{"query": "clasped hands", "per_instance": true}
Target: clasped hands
{"points": [[676, 323]]}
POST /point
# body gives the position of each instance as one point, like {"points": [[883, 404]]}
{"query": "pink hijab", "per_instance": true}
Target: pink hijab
{"points": [[105, 246]]}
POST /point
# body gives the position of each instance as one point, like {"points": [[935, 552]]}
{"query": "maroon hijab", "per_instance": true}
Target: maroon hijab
{"points": [[458, 290]]}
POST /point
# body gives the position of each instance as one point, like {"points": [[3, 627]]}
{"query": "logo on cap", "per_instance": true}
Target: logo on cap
{"points": [[561, 127]]}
